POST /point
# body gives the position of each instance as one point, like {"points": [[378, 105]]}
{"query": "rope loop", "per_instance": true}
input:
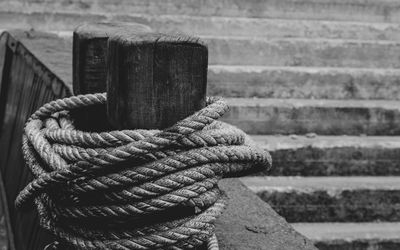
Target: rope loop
{"points": [[132, 189]]}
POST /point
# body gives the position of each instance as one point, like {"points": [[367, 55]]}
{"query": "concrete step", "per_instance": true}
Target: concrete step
{"points": [[300, 116], [323, 117], [303, 82], [350, 236], [300, 82], [330, 199], [228, 50], [315, 155], [360, 10], [303, 52], [215, 26]]}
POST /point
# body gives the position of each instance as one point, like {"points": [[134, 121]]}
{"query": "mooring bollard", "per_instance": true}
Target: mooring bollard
{"points": [[153, 80], [248, 223]]}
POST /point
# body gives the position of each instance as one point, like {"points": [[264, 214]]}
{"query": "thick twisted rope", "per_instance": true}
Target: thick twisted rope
{"points": [[132, 189]]}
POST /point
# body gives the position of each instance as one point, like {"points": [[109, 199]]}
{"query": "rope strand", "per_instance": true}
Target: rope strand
{"points": [[132, 189]]}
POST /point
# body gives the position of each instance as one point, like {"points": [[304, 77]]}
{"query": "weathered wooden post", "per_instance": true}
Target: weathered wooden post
{"points": [[153, 80]]}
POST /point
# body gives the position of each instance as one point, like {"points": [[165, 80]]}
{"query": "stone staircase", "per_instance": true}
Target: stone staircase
{"points": [[316, 82]]}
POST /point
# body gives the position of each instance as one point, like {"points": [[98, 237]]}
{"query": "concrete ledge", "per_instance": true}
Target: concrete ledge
{"points": [[350, 236], [330, 199], [249, 223]]}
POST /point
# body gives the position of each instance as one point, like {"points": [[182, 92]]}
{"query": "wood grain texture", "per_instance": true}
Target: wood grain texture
{"points": [[89, 54], [5, 63], [3, 54], [89, 66], [154, 80]]}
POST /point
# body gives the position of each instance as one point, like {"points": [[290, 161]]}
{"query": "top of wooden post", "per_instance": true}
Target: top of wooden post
{"points": [[105, 29]]}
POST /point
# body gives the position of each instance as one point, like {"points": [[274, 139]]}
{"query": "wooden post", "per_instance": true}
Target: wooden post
{"points": [[89, 65], [154, 80]]}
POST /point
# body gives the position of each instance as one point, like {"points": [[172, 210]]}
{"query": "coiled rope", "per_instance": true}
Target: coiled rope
{"points": [[132, 189]]}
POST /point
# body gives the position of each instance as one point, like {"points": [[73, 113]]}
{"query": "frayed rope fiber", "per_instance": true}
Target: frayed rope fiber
{"points": [[132, 189]]}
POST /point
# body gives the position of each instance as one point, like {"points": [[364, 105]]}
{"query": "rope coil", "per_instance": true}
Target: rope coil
{"points": [[132, 189]]}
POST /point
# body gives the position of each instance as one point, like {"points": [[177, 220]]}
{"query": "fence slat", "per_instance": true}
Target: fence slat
{"points": [[26, 84]]}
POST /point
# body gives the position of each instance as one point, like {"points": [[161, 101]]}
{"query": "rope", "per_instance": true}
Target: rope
{"points": [[132, 189]]}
